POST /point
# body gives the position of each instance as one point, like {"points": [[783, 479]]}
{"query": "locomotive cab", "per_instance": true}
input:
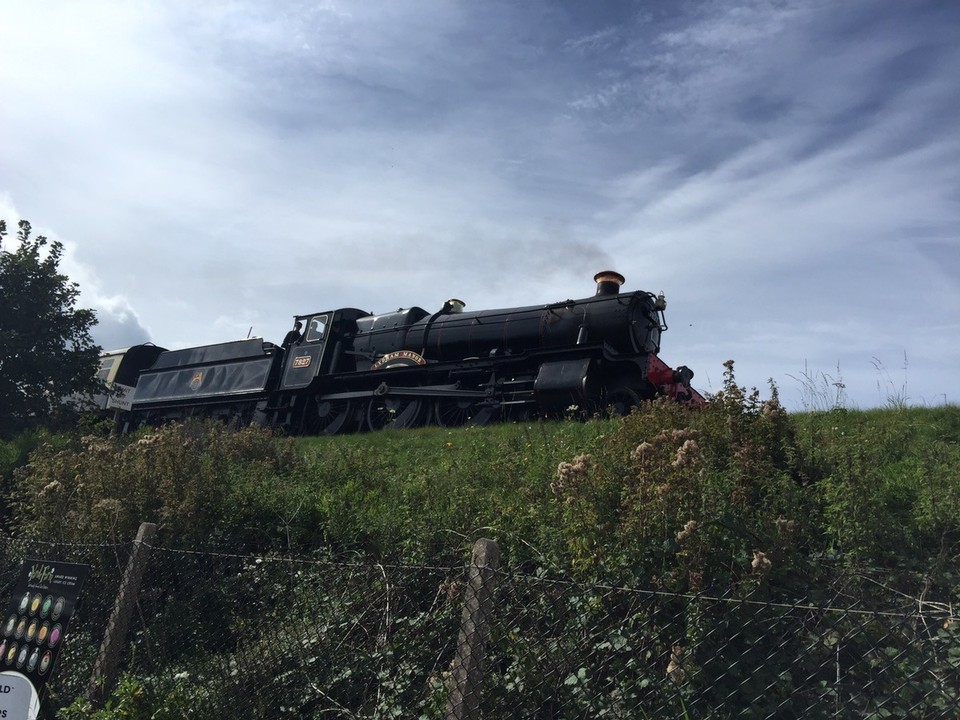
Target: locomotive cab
{"points": [[304, 356], [323, 349]]}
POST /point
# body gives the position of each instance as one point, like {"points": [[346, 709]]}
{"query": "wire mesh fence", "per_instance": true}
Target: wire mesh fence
{"points": [[224, 635], [230, 636], [570, 650]]}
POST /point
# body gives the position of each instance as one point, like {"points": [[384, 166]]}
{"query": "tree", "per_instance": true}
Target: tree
{"points": [[46, 352]]}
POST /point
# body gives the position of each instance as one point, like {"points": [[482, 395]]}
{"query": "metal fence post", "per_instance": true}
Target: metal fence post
{"points": [[466, 672], [105, 668]]}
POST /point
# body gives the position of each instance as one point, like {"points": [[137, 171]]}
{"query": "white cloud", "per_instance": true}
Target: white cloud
{"points": [[786, 173]]}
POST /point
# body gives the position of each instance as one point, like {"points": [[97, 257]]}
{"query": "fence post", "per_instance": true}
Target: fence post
{"points": [[105, 668], [466, 672]]}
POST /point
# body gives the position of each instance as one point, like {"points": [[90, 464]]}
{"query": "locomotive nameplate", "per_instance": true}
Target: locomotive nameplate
{"points": [[197, 380], [302, 361], [400, 358]]}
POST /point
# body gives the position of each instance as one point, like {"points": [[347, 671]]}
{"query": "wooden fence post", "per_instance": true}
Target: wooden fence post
{"points": [[115, 636], [466, 672]]}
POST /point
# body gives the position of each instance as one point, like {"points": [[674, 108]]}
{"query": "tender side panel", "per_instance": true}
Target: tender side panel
{"points": [[200, 383], [211, 354]]}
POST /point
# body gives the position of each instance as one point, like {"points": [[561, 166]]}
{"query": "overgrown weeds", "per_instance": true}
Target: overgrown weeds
{"points": [[689, 497], [723, 510], [200, 482]]}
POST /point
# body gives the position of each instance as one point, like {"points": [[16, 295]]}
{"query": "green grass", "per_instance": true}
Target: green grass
{"points": [[420, 491], [877, 486], [736, 499]]}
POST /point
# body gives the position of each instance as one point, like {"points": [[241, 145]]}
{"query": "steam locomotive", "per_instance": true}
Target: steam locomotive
{"points": [[354, 370]]}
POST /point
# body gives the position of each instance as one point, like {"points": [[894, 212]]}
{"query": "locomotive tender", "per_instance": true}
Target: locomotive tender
{"points": [[354, 370]]}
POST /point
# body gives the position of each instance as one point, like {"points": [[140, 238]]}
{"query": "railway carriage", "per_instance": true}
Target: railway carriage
{"points": [[119, 372]]}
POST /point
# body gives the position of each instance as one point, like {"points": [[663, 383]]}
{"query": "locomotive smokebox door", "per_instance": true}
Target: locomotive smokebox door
{"points": [[566, 382]]}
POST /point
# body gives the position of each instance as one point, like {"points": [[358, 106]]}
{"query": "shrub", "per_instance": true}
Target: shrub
{"points": [[200, 481], [689, 497]]}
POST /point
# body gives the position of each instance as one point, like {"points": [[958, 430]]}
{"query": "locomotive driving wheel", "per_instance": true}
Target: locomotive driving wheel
{"points": [[453, 412], [393, 412], [456, 412], [328, 417]]}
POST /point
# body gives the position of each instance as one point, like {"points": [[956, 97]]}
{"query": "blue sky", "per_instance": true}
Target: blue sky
{"points": [[788, 173]]}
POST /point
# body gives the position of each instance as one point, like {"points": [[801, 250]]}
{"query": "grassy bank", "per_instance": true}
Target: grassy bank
{"points": [[670, 538], [663, 490]]}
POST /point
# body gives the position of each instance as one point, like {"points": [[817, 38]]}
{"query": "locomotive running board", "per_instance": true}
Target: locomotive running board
{"points": [[437, 391]]}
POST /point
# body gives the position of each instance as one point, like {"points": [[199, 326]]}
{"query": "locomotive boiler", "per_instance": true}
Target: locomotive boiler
{"points": [[355, 370]]}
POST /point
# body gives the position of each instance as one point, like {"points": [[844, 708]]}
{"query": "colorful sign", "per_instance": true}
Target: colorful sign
{"points": [[38, 614]]}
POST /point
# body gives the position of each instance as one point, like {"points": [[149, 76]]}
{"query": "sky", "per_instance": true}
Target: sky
{"points": [[787, 173]]}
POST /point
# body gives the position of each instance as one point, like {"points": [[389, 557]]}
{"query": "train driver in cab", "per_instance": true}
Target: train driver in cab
{"points": [[293, 336]]}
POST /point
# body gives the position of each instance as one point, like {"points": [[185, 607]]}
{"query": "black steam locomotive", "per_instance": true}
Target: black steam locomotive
{"points": [[353, 370]]}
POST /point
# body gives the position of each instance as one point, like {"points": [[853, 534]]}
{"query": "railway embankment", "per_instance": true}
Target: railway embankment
{"points": [[651, 551]]}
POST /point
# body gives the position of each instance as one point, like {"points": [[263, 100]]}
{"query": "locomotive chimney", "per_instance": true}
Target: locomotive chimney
{"points": [[608, 282]]}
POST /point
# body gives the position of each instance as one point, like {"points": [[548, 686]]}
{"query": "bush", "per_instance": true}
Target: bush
{"points": [[14, 454], [691, 498], [199, 481], [736, 500]]}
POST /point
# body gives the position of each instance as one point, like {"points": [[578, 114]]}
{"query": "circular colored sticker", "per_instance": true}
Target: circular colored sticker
{"points": [[35, 605], [25, 602], [11, 653], [22, 657], [42, 635], [58, 608], [3, 649], [45, 662], [55, 635], [21, 628], [47, 604], [32, 630], [11, 624], [34, 659]]}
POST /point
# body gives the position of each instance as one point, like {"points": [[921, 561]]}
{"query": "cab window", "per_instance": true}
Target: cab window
{"points": [[316, 328], [105, 365]]}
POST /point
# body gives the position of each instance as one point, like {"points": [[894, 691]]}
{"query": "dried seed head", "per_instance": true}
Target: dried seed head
{"points": [[761, 563], [688, 530], [570, 474], [688, 454], [641, 451], [785, 527]]}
